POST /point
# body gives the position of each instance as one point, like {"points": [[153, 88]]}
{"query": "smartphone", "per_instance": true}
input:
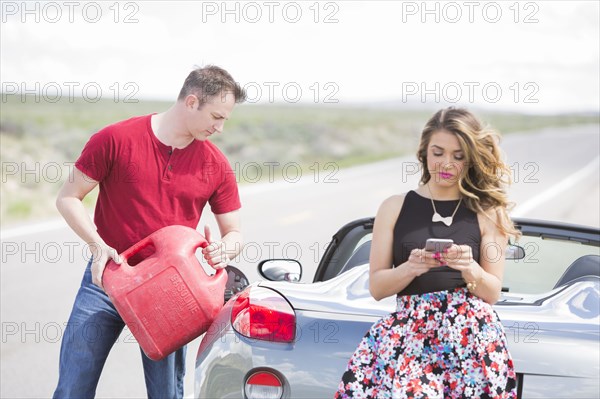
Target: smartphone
{"points": [[438, 244]]}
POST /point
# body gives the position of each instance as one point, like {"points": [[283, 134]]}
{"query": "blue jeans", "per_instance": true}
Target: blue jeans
{"points": [[92, 330]]}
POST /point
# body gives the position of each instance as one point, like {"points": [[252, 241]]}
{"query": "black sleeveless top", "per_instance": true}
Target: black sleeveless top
{"points": [[414, 227]]}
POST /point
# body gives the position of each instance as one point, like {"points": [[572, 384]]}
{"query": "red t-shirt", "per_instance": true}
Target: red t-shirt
{"points": [[146, 185]]}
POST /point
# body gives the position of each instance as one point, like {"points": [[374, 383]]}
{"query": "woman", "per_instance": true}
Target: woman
{"points": [[444, 340]]}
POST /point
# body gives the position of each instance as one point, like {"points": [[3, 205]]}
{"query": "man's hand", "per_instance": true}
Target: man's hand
{"points": [[101, 254], [214, 253]]}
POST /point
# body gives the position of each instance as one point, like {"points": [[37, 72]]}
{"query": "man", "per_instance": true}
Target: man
{"points": [[153, 171]]}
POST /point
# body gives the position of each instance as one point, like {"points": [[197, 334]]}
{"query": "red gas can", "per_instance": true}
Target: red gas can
{"points": [[167, 299]]}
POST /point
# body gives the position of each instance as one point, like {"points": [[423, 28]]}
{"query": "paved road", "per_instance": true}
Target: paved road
{"points": [[557, 178]]}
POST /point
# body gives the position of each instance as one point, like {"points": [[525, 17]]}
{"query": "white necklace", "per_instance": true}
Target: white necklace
{"points": [[436, 216]]}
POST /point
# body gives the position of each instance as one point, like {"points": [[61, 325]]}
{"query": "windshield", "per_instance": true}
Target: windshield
{"points": [[545, 261]]}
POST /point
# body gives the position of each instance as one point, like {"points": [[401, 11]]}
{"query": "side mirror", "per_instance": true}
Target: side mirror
{"points": [[280, 270], [514, 252]]}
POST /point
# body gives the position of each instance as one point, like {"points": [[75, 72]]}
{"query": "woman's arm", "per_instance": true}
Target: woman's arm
{"points": [[384, 280], [484, 279]]}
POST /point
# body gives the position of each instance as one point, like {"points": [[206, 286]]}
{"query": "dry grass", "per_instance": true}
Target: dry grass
{"points": [[40, 141]]}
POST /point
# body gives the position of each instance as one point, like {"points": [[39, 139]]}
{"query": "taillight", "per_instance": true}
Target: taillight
{"points": [[264, 314], [263, 385]]}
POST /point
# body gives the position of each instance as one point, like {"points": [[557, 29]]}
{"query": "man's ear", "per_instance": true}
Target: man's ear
{"points": [[191, 101]]}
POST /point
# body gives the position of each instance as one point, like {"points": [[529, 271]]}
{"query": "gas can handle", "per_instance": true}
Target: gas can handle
{"points": [[202, 242], [199, 241], [134, 249]]}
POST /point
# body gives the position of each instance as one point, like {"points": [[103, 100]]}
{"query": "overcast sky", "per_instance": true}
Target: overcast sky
{"points": [[530, 56]]}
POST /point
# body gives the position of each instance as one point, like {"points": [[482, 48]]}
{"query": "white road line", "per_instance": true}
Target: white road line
{"points": [[520, 210], [35, 228], [32, 229], [557, 189]]}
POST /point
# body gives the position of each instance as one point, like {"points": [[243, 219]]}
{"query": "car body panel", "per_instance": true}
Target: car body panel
{"points": [[553, 335]]}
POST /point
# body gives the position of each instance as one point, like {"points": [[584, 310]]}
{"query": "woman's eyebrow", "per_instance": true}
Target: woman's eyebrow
{"points": [[442, 148]]}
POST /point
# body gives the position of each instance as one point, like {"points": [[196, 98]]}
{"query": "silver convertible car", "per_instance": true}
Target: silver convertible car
{"points": [[278, 338]]}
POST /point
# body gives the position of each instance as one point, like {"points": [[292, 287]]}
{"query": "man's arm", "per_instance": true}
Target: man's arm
{"points": [[219, 253], [69, 204]]}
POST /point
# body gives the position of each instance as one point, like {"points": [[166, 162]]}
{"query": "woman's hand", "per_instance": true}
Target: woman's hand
{"points": [[420, 262], [460, 257]]}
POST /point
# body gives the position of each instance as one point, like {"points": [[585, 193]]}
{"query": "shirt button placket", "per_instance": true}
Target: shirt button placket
{"points": [[167, 174]]}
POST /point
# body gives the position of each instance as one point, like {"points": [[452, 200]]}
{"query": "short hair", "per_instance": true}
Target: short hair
{"points": [[210, 81]]}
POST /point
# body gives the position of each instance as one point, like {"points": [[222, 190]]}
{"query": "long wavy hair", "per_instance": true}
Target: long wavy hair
{"points": [[484, 180]]}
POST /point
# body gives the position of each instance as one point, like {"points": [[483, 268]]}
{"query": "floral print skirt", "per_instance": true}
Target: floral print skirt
{"points": [[445, 344]]}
